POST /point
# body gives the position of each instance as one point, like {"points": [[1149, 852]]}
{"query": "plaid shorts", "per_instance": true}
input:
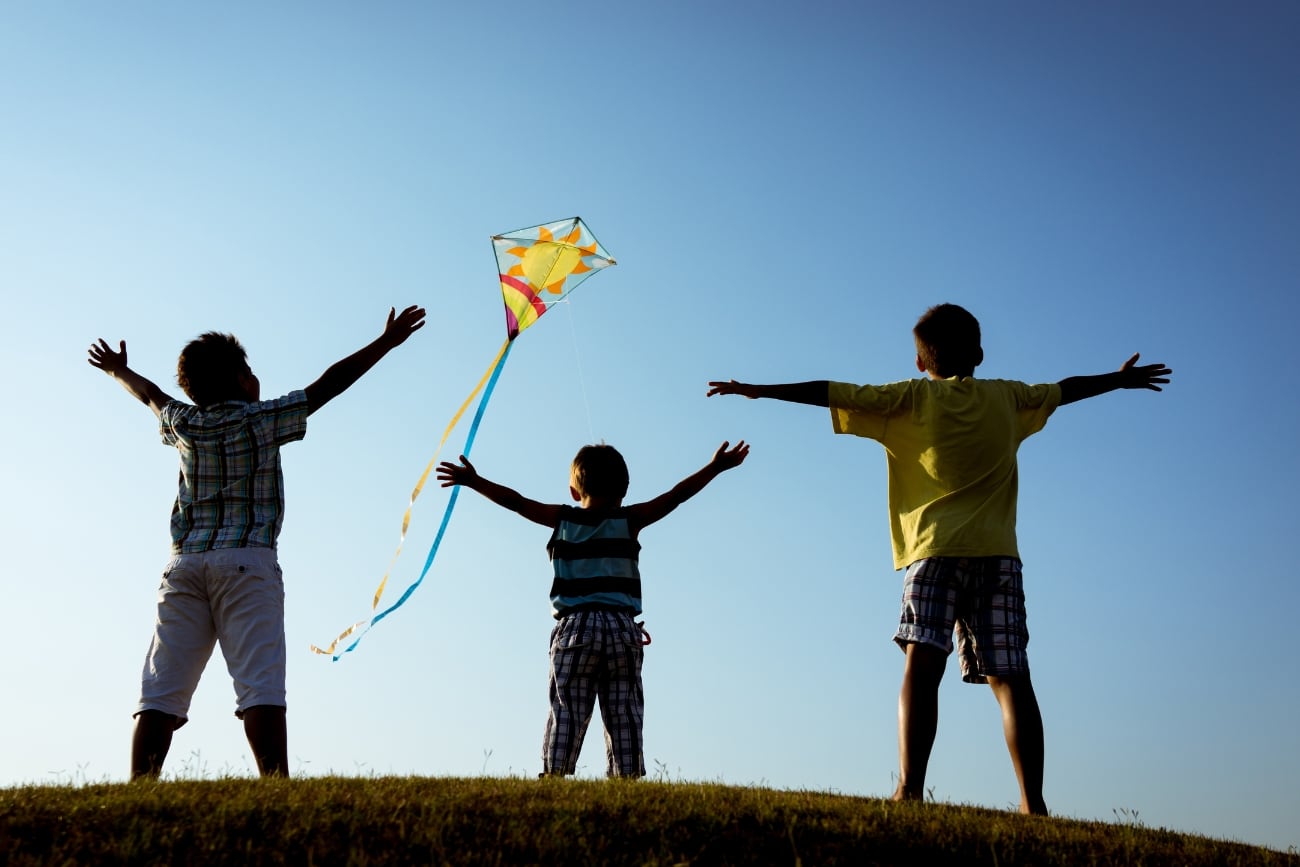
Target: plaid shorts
{"points": [[596, 655], [983, 598]]}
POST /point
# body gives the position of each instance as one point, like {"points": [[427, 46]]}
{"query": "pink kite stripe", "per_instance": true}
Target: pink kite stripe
{"points": [[538, 304]]}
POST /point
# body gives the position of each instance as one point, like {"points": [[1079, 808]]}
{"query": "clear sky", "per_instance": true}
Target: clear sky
{"points": [[786, 188]]}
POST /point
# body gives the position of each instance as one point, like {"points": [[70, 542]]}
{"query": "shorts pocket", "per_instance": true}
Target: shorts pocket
{"points": [[571, 633]]}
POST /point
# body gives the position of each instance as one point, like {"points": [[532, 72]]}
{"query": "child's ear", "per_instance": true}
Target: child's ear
{"points": [[920, 365], [573, 492]]}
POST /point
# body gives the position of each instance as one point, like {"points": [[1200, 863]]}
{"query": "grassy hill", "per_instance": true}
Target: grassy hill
{"points": [[415, 820]]}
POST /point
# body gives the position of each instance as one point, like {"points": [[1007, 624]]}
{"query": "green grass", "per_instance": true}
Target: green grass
{"points": [[418, 820]]}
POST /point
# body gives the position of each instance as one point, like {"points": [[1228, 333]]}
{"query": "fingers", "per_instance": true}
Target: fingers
{"points": [[1148, 376], [1154, 375], [407, 322], [455, 474], [103, 356], [721, 388], [731, 456]]}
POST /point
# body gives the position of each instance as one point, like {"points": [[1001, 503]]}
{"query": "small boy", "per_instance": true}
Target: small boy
{"points": [[951, 443], [596, 645], [223, 582]]}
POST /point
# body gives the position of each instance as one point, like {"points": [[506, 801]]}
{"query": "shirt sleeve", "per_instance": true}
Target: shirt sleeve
{"points": [[167, 420], [290, 413], [864, 410], [1034, 405]]}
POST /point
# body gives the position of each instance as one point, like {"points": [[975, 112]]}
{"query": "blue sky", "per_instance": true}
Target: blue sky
{"points": [[786, 189]]}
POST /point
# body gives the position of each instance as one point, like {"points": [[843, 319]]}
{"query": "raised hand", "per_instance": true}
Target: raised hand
{"points": [[1150, 376], [402, 325], [731, 387], [725, 459], [105, 359], [457, 474]]}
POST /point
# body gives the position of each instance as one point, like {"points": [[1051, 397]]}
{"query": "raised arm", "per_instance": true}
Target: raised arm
{"points": [[114, 364], [1149, 376], [645, 514], [340, 376], [815, 393], [464, 474]]}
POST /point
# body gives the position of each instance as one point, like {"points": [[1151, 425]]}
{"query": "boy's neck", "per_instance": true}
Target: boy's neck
{"points": [[588, 502]]}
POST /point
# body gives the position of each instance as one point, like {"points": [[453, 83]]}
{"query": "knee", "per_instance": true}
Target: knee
{"points": [[157, 719], [925, 664], [1017, 686], [261, 712]]}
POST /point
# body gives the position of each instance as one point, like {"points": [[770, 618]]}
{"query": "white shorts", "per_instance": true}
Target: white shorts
{"points": [[234, 596]]}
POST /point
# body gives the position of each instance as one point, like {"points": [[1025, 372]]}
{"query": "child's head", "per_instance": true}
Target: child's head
{"points": [[948, 341], [214, 368], [599, 472]]}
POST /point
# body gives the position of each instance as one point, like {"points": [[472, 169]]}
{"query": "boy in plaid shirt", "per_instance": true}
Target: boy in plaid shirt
{"points": [[223, 583], [951, 444], [596, 645]]}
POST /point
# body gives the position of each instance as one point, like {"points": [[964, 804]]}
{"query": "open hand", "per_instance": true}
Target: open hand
{"points": [[402, 325], [457, 474], [104, 358], [725, 459], [731, 387], [1150, 376]]}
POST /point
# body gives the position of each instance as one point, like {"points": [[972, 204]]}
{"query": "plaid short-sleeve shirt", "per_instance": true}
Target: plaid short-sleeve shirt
{"points": [[231, 492]]}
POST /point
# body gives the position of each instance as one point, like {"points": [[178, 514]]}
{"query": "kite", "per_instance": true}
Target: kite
{"points": [[538, 267]]}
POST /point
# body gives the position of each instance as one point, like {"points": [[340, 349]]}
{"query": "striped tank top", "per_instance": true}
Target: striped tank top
{"points": [[594, 554]]}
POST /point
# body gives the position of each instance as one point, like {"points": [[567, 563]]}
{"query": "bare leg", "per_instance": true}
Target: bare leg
{"points": [[918, 718], [267, 734], [1022, 724], [150, 743]]}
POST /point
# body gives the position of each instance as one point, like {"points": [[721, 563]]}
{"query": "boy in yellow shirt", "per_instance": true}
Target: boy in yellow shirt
{"points": [[950, 442]]}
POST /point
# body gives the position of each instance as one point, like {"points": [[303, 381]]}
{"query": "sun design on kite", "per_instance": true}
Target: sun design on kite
{"points": [[546, 264]]}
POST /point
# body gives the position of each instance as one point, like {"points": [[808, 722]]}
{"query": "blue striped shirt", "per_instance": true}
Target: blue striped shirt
{"points": [[231, 491], [594, 554]]}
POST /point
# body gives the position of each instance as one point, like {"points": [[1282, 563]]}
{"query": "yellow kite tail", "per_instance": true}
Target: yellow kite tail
{"points": [[419, 486]]}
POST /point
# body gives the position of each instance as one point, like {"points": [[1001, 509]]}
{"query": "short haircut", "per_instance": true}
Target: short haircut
{"points": [[948, 341], [600, 471], [210, 367]]}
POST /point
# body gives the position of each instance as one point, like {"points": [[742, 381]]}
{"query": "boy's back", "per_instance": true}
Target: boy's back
{"points": [[951, 448], [231, 488]]}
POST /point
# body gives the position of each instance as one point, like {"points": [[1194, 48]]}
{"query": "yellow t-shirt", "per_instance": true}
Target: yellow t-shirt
{"points": [[951, 449]]}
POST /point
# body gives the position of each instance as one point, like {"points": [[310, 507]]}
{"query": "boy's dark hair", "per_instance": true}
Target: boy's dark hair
{"points": [[948, 341], [210, 367], [600, 471]]}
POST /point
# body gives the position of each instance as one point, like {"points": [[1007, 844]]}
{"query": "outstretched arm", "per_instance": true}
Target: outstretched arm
{"points": [[645, 514], [465, 474], [340, 376], [1149, 376], [114, 364], [815, 393]]}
